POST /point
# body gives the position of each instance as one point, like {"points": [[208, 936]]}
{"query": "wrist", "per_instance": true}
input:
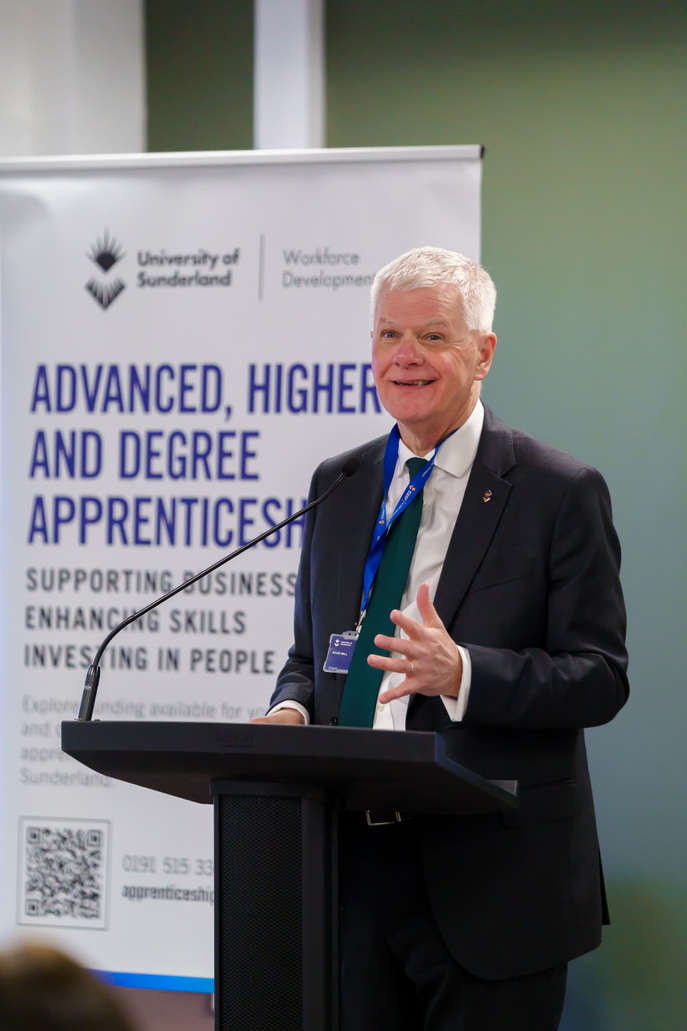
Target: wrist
{"points": [[453, 690]]}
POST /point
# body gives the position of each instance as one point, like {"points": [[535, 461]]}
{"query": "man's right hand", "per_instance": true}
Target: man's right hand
{"points": [[291, 716]]}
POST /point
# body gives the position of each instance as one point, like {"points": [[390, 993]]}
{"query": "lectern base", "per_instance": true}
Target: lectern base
{"points": [[276, 908]]}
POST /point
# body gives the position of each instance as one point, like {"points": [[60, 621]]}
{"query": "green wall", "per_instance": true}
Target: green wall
{"points": [[581, 107], [199, 56]]}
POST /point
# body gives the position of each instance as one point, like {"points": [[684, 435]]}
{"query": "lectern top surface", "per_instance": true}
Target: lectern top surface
{"points": [[361, 769]]}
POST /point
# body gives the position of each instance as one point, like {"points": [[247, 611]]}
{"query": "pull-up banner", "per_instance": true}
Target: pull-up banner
{"points": [[183, 339]]}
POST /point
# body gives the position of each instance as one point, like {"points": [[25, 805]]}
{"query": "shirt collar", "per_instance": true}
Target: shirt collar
{"points": [[458, 451]]}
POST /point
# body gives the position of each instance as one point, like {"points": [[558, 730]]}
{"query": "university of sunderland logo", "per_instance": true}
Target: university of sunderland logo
{"points": [[105, 254]]}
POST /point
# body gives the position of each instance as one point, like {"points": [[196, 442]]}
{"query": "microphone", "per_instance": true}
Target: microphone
{"points": [[90, 689]]}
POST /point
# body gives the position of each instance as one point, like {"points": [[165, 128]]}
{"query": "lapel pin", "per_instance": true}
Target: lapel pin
{"points": [[487, 496]]}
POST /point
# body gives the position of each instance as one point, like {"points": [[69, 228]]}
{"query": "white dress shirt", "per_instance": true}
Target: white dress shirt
{"points": [[441, 500]]}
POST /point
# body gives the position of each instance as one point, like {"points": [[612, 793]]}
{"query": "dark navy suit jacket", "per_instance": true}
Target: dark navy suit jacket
{"points": [[530, 587]]}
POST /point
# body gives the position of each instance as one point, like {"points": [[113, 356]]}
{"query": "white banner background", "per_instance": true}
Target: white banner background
{"points": [[295, 240]]}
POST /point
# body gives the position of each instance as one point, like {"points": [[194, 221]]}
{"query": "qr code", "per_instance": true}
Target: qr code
{"points": [[63, 872]]}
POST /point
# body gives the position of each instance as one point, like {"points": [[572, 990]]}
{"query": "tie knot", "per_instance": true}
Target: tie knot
{"points": [[414, 465]]}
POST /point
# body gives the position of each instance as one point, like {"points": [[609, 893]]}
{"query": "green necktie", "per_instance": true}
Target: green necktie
{"points": [[362, 681]]}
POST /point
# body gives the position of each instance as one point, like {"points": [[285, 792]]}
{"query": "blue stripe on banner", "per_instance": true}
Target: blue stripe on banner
{"points": [[160, 982]]}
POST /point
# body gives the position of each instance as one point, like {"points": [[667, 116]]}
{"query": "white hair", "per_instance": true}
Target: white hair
{"points": [[431, 266]]}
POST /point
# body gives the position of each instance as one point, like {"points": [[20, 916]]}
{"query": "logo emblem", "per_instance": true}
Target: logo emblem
{"points": [[105, 253], [487, 496]]}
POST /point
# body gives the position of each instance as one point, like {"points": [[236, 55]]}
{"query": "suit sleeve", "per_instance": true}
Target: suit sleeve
{"points": [[579, 679], [296, 682]]}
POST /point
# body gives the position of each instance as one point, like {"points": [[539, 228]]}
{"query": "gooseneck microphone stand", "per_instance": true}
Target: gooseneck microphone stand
{"points": [[92, 680]]}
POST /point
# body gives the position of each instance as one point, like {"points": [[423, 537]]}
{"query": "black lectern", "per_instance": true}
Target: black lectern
{"points": [[277, 791]]}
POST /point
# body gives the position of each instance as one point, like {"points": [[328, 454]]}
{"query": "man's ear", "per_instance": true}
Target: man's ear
{"points": [[487, 345]]}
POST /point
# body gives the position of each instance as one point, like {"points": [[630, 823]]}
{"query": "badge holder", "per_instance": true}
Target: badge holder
{"points": [[340, 653]]}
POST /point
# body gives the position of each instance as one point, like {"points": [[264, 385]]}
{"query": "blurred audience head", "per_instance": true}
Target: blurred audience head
{"points": [[42, 989]]}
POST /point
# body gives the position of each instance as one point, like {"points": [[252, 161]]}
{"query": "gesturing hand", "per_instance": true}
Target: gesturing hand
{"points": [[430, 658]]}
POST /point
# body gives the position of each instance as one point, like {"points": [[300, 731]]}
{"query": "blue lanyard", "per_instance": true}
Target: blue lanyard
{"points": [[381, 526]]}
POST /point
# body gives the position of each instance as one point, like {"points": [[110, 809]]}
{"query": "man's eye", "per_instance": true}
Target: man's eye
{"points": [[433, 337]]}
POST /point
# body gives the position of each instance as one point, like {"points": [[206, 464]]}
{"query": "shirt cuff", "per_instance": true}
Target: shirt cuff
{"points": [[293, 705], [455, 707]]}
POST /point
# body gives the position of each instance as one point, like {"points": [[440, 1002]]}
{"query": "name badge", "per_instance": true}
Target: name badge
{"points": [[341, 648]]}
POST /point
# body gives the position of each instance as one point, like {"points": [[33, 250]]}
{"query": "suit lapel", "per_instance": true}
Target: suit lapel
{"points": [[357, 535], [485, 498], [474, 529]]}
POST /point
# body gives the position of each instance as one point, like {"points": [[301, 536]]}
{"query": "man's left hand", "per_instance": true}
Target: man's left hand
{"points": [[430, 659]]}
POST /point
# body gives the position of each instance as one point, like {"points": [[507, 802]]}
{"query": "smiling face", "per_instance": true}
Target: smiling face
{"points": [[427, 365]]}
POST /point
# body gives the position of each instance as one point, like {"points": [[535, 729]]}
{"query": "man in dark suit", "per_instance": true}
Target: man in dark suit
{"points": [[506, 635]]}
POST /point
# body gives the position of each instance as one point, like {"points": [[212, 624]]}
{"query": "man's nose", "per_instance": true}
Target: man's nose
{"points": [[408, 352]]}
